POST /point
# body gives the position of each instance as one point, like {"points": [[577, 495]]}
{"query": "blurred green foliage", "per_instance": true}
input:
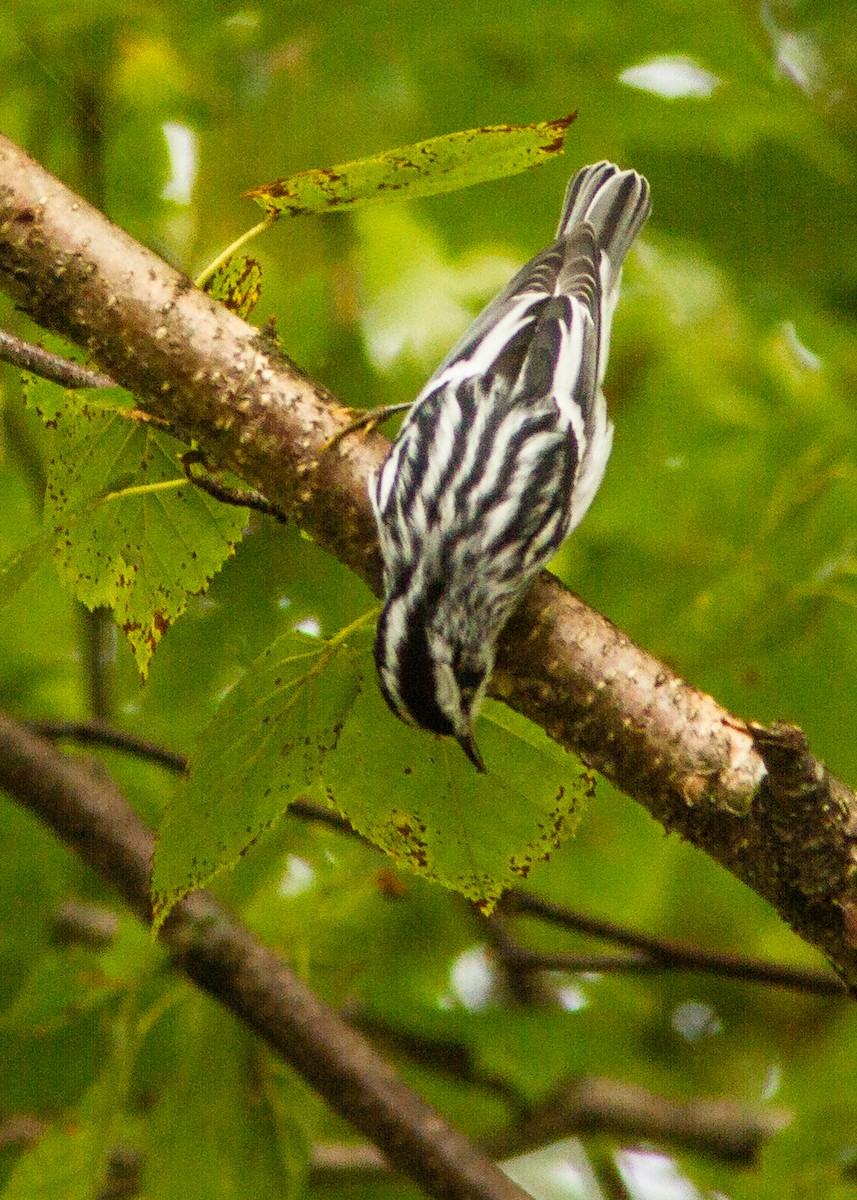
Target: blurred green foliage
{"points": [[723, 539]]}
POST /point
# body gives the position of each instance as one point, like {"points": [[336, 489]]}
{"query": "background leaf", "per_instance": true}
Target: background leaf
{"points": [[218, 1113], [71, 1160]]}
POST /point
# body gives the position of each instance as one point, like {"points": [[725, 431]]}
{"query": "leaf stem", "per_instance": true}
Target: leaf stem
{"points": [[208, 271], [344, 634], [143, 489]]}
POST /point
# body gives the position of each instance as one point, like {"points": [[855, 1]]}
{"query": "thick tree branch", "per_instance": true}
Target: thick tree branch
{"points": [[86, 810], [700, 771]]}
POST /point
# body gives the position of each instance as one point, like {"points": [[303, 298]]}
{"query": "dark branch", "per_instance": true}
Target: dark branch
{"points": [[444, 1056], [719, 1128], [224, 959], [726, 966], [239, 497], [97, 733], [655, 953]]}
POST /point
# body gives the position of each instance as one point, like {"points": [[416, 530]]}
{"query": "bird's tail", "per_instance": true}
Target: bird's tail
{"points": [[615, 203]]}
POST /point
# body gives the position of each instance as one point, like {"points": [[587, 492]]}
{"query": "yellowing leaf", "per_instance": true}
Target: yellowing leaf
{"points": [[130, 533], [441, 164], [237, 284]]}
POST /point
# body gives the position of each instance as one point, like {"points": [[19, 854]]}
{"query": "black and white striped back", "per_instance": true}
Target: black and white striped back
{"points": [[499, 458]]}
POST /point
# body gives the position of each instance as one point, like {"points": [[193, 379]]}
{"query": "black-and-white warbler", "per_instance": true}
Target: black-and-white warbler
{"points": [[498, 460]]}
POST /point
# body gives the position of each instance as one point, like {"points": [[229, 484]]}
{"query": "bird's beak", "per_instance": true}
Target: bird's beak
{"points": [[468, 744]]}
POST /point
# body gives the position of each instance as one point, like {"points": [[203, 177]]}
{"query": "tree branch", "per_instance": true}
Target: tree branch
{"points": [[788, 833], [720, 1129], [725, 966], [654, 953], [223, 958], [68, 374], [100, 733]]}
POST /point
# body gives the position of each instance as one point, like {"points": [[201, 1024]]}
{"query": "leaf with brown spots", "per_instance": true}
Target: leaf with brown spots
{"points": [[441, 164], [419, 799], [269, 741], [237, 284], [130, 533]]}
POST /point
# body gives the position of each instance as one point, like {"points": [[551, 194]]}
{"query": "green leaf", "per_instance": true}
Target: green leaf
{"points": [[130, 532], [419, 799], [70, 1162], [49, 400], [441, 164], [216, 1117], [19, 570], [268, 742], [237, 284]]}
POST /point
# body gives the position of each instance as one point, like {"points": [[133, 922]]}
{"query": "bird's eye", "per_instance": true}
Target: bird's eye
{"points": [[468, 677], [468, 680]]}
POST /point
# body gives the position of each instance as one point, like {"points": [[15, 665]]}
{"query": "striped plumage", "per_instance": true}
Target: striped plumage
{"points": [[498, 460]]}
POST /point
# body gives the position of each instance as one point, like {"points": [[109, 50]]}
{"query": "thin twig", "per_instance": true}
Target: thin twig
{"points": [[239, 497], [97, 733], [52, 367], [725, 966], [516, 982], [207, 272], [656, 952]]}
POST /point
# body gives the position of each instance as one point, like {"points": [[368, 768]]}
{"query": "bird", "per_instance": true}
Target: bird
{"points": [[498, 459]]}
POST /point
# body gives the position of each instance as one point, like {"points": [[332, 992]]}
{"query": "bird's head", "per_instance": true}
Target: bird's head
{"points": [[434, 673]]}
